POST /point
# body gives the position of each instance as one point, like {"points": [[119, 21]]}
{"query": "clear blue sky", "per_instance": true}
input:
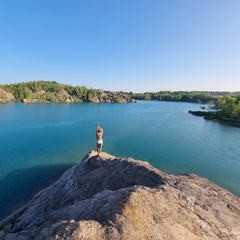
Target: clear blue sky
{"points": [[129, 45]]}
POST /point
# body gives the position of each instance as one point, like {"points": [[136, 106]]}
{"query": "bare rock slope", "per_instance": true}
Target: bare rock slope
{"points": [[6, 96], [113, 198]]}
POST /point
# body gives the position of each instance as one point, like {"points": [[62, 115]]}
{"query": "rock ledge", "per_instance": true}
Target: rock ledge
{"points": [[114, 198]]}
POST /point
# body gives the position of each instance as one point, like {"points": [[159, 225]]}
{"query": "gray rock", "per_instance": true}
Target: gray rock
{"points": [[104, 197]]}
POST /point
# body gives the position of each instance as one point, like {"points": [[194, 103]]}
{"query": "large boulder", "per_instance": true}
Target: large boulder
{"points": [[105, 197]]}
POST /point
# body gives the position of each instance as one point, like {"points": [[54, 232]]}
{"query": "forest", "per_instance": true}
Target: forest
{"points": [[49, 91], [181, 96], [228, 108]]}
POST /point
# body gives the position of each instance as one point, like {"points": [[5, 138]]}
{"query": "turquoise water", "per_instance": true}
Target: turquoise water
{"points": [[38, 142]]}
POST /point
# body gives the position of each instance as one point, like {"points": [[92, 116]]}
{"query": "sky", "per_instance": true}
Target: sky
{"points": [[122, 45]]}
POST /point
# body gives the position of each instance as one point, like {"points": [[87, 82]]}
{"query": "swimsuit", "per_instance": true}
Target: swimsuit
{"points": [[99, 141]]}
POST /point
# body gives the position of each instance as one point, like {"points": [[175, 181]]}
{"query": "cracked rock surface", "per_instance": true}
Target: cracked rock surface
{"points": [[105, 197]]}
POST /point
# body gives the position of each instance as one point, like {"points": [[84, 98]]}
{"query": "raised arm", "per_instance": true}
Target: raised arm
{"points": [[97, 130]]}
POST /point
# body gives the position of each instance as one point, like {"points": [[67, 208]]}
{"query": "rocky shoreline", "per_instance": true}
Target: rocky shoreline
{"points": [[64, 96], [105, 197], [214, 116]]}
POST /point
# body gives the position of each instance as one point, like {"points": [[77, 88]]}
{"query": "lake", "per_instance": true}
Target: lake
{"points": [[38, 142]]}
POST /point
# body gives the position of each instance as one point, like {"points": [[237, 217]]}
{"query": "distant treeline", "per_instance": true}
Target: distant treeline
{"points": [[49, 91], [181, 96], [53, 91]]}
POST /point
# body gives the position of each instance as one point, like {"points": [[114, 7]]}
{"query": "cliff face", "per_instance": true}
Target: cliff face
{"points": [[6, 96], [107, 96], [112, 198]]}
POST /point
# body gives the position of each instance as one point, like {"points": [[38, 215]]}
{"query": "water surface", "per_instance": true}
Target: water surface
{"points": [[38, 142]]}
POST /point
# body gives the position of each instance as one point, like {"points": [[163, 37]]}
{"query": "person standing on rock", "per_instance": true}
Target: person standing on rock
{"points": [[99, 134]]}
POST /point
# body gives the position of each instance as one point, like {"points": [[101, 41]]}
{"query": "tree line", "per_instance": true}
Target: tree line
{"points": [[49, 91], [180, 96]]}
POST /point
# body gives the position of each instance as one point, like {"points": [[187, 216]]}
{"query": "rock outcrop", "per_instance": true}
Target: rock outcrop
{"points": [[111, 97], [6, 96], [104, 197]]}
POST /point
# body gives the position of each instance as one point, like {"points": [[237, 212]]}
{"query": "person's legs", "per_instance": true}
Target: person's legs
{"points": [[99, 148]]}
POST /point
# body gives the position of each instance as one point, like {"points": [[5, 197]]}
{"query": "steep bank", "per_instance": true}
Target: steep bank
{"points": [[6, 96], [113, 198]]}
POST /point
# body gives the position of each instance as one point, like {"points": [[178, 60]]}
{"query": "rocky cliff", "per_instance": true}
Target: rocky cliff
{"points": [[98, 96], [107, 96], [6, 96], [114, 198]]}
